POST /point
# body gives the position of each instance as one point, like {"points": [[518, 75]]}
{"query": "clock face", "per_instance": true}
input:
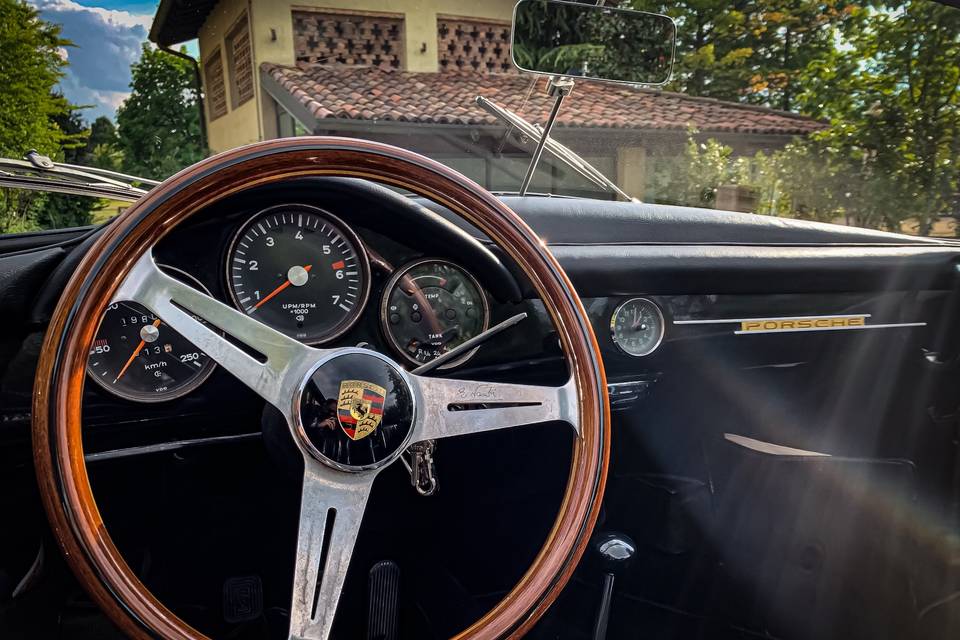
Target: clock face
{"points": [[637, 327]]}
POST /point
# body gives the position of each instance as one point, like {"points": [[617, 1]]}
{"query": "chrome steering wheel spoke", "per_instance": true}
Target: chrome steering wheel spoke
{"points": [[331, 510], [283, 361], [458, 407]]}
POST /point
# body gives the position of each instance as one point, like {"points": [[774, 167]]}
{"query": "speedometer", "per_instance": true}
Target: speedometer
{"points": [[136, 356], [300, 270]]}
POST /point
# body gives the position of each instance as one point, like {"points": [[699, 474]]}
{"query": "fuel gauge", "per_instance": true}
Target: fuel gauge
{"points": [[637, 327]]}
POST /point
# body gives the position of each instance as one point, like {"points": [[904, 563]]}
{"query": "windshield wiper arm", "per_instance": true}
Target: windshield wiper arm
{"points": [[563, 153], [39, 173]]}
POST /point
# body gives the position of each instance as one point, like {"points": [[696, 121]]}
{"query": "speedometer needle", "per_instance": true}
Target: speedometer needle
{"points": [[283, 286], [133, 356]]}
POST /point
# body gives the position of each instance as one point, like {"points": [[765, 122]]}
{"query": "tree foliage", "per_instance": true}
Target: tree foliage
{"points": [[58, 210], [32, 114], [158, 125], [884, 75], [893, 99], [565, 39], [31, 63], [751, 50]]}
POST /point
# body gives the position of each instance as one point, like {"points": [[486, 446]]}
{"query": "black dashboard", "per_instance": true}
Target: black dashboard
{"points": [[689, 270]]}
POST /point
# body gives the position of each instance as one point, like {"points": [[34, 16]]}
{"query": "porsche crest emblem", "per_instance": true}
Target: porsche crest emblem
{"points": [[360, 407]]}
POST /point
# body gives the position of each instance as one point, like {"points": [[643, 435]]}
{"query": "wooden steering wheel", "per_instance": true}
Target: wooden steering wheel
{"points": [[288, 375]]}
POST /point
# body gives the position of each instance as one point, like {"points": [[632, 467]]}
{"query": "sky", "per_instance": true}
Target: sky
{"points": [[107, 35]]}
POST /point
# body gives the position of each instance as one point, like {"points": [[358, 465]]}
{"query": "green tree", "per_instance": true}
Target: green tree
{"points": [[159, 123], [31, 64], [892, 96], [107, 156], [751, 50], [58, 210], [103, 146], [102, 131], [31, 113]]}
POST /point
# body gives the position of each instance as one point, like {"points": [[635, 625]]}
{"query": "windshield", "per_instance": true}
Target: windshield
{"points": [[843, 112]]}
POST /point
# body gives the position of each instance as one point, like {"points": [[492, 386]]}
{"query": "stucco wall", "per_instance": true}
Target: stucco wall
{"points": [[272, 41], [420, 24], [240, 125]]}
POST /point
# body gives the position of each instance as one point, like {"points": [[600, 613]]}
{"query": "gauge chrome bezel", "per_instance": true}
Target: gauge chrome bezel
{"points": [[162, 396], [385, 302], [351, 320], [613, 326]]}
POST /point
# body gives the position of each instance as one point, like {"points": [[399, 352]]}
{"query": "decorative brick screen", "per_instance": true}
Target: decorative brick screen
{"points": [[241, 64], [473, 45], [348, 38], [216, 90]]}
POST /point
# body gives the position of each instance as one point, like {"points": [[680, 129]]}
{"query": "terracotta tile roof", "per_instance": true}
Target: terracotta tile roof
{"points": [[367, 93]]}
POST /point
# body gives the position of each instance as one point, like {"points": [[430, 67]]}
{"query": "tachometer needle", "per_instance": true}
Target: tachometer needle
{"points": [[133, 356], [292, 279]]}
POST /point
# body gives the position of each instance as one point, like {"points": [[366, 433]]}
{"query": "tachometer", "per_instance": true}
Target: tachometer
{"points": [[431, 306], [136, 356], [300, 270]]}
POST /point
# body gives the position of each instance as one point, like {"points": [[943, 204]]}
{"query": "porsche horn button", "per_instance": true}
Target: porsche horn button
{"points": [[356, 411]]}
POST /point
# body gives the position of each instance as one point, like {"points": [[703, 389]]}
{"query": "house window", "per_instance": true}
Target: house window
{"points": [[216, 91], [464, 44], [240, 63], [329, 37]]}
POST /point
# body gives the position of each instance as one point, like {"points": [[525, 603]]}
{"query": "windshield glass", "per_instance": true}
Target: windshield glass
{"points": [[844, 112]]}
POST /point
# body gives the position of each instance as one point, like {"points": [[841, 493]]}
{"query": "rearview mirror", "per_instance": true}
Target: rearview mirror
{"points": [[587, 41]]}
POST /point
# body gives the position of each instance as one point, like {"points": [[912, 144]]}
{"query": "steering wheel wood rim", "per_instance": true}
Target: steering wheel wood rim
{"points": [[57, 442]]}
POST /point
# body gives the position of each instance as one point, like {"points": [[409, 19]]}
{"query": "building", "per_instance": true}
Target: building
{"points": [[408, 72]]}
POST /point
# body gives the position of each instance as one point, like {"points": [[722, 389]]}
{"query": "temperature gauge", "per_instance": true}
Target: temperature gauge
{"points": [[637, 327], [136, 356]]}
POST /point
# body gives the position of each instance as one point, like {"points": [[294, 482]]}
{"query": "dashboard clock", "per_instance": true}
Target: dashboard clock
{"points": [[637, 327]]}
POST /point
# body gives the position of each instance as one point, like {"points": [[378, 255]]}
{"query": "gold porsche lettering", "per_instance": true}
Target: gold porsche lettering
{"points": [[360, 407], [802, 324]]}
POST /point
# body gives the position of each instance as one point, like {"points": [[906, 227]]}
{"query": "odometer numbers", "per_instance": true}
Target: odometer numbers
{"points": [[300, 270]]}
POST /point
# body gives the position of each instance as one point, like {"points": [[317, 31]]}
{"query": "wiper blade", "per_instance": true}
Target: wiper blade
{"points": [[563, 153], [39, 173], [126, 178]]}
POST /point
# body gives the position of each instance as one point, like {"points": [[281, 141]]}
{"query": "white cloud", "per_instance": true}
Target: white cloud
{"points": [[110, 16], [107, 42], [99, 102]]}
